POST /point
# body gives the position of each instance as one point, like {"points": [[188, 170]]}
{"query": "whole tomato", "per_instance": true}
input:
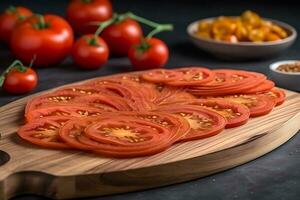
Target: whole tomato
{"points": [[90, 52], [18, 79], [120, 36], [48, 38], [149, 54], [81, 12], [9, 19]]}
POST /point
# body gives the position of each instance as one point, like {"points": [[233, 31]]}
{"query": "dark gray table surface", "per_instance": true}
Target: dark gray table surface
{"points": [[273, 176]]}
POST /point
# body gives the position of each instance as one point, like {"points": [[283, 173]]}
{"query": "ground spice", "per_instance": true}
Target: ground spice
{"points": [[290, 67]]}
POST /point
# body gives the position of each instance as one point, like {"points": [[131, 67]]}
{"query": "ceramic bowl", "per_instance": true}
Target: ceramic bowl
{"points": [[242, 50], [285, 80]]}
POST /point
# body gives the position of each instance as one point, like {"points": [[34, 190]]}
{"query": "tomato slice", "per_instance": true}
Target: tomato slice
{"points": [[55, 97], [127, 91], [126, 137], [161, 76], [74, 110], [44, 132], [170, 95], [228, 82], [192, 76], [176, 124], [203, 122], [267, 85], [278, 95], [105, 102], [235, 113], [258, 104]]}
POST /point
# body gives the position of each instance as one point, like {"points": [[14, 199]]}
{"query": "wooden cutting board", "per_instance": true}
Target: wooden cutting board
{"points": [[70, 174]]}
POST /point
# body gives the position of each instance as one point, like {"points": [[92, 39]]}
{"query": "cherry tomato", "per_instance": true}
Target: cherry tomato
{"points": [[89, 52], [82, 12], [151, 53], [120, 36], [49, 38], [20, 80], [9, 19]]}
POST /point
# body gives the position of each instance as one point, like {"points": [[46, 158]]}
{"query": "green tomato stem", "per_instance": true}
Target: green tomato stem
{"points": [[16, 64], [86, 1], [41, 24], [160, 28], [11, 9], [103, 25]]}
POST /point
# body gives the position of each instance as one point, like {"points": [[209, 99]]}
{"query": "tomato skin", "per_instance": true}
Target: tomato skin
{"points": [[81, 13], [154, 57], [17, 82], [50, 45], [9, 19], [89, 56], [122, 35]]}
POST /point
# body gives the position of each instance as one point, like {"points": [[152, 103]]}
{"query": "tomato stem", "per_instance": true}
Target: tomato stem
{"points": [[11, 9], [160, 28], [86, 1], [41, 24], [103, 25], [120, 17], [16, 64], [142, 20], [157, 27]]}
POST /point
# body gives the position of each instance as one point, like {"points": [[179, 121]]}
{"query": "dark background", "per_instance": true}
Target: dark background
{"points": [[273, 176]]}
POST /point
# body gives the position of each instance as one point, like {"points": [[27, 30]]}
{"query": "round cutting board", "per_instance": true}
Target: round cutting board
{"points": [[25, 168]]}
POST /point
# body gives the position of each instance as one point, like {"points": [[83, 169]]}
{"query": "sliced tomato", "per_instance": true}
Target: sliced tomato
{"points": [[171, 95], [203, 122], [125, 90], [148, 89], [228, 82], [128, 137], [55, 97], [277, 94], [44, 132], [265, 86], [105, 102], [258, 104], [74, 110], [235, 113], [176, 124], [192, 76], [161, 76]]}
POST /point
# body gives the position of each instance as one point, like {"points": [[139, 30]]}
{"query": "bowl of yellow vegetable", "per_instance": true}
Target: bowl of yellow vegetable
{"points": [[242, 37]]}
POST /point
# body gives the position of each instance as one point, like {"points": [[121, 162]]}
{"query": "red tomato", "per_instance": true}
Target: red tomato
{"points": [[20, 82], [122, 35], [89, 52], [82, 12], [49, 41], [9, 19], [151, 53]]}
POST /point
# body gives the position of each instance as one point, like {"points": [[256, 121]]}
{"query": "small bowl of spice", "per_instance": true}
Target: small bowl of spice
{"points": [[286, 74]]}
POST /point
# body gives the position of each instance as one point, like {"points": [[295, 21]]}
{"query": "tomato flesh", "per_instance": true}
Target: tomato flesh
{"points": [[258, 105], [203, 122], [44, 132], [235, 113]]}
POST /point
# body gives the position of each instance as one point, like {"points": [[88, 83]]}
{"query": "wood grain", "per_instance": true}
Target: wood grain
{"points": [[69, 174]]}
